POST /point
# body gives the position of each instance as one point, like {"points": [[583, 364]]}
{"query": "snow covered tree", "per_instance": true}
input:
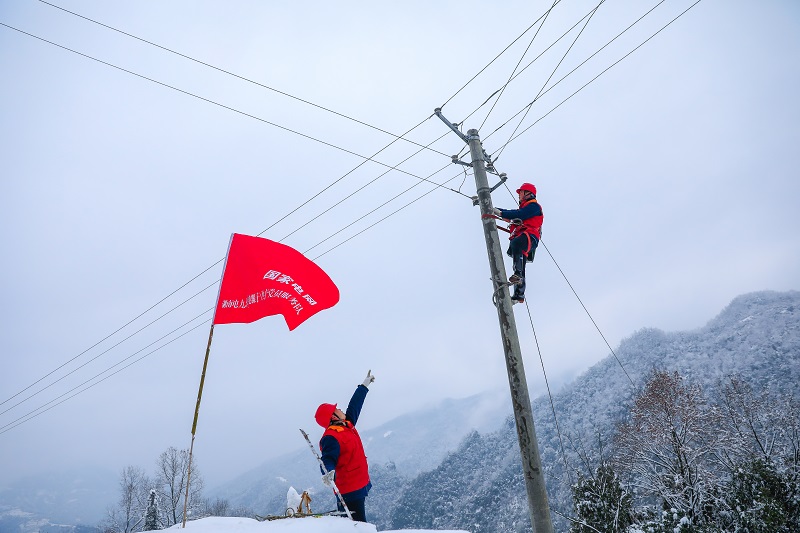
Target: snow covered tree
{"points": [[763, 426], [127, 516], [217, 507], [172, 469], [601, 503], [151, 516], [761, 498], [668, 445]]}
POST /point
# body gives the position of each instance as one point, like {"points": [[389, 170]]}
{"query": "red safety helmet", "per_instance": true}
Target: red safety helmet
{"points": [[530, 187], [324, 414]]}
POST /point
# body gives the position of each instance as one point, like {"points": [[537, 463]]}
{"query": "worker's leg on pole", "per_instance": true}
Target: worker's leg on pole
{"points": [[517, 249], [519, 287]]}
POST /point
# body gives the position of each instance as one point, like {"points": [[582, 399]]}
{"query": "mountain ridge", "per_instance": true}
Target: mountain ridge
{"points": [[757, 336]]}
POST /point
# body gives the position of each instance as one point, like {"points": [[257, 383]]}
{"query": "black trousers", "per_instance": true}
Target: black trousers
{"points": [[356, 507], [522, 249]]}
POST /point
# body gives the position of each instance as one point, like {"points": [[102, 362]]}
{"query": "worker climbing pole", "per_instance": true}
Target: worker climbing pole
{"points": [[520, 399], [525, 226]]}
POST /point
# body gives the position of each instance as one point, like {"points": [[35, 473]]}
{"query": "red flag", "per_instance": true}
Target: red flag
{"points": [[264, 278]]}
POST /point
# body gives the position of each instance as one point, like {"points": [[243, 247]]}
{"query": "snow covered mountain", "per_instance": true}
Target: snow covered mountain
{"points": [[480, 487]]}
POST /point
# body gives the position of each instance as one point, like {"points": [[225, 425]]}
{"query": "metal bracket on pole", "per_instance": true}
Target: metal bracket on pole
{"points": [[489, 165], [438, 113], [503, 179], [466, 138], [457, 161]]}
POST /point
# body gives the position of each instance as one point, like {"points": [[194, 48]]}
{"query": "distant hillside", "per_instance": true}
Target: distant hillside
{"points": [[398, 451], [480, 488], [41, 503]]}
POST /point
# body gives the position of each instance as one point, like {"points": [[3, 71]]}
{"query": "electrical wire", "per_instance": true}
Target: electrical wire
{"points": [[513, 72], [549, 394], [423, 180], [381, 220], [233, 74], [377, 209], [499, 153], [365, 160], [40, 410], [131, 321], [598, 75], [515, 76], [588, 313], [208, 100], [104, 351], [498, 56], [386, 217]]}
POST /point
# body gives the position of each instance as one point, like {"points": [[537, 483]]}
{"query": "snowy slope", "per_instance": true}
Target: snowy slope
{"points": [[324, 524]]}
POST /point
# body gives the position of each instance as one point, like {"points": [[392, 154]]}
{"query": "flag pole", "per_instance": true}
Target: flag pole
{"points": [[200, 390]]}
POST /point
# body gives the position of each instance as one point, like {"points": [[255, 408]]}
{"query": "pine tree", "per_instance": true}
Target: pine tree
{"points": [[763, 499], [601, 504], [151, 516]]}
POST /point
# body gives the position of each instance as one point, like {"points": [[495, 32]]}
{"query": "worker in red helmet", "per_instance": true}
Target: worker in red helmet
{"points": [[526, 231], [343, 452]]}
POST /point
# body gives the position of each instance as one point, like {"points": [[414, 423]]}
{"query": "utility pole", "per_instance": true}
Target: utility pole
{"points": [[521, 402]]}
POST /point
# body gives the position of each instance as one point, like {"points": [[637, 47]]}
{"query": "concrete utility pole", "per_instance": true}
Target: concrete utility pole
{"points": [[526, 432]]}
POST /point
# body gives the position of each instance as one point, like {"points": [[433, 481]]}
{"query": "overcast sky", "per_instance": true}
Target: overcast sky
{"points": [[669, 185]]}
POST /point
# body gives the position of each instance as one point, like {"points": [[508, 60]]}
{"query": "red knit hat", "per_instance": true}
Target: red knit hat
{"points": [[324, 414]]}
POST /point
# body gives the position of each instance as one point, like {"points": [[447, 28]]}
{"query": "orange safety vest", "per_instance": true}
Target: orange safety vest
{"points": [[352, 472], [531, 225]]}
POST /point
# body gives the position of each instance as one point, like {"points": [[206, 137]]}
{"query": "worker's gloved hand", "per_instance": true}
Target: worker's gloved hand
{"points": [[369, 379], [327, 479], [496, 212]]}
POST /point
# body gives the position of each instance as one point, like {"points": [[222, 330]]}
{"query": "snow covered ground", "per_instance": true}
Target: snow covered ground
{"points": [[324, 524]]}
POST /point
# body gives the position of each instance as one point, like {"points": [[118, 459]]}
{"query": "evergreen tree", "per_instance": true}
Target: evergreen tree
{"points": [[762, 499], [151, 516], [601, 503]]}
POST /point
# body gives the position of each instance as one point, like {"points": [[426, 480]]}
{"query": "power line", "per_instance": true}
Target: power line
{"points": [[208, 100], [395, 167], [391, 214], [498, 56], [378, 208], [40, 410], [552, 74], [515, 76], [549, 394], [502, 90], [229, 73], [530, 316], [381, 220], [596, 77], [427, 179], [33, 414], [110, 334], [103, 352], [588, 314]]}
